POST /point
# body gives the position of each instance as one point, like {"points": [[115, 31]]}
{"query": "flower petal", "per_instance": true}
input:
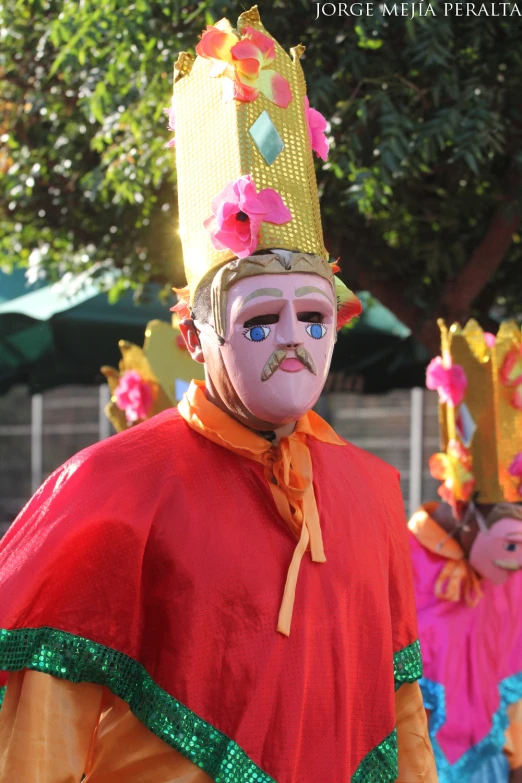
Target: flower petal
{"points": [[511, 371], [218, 68], [216, 44], [244, 92], [249, 199], [247, 71], [274, 208], [274, 87], [517, 398], [246, 50], [265, 44], [515, 469]]}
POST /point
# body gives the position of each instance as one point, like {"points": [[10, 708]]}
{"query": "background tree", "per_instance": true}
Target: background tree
{"points": [[421, 194]]}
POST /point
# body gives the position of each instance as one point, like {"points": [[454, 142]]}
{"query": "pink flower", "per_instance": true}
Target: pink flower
{"points": [[134, 396], [516, 466], [237, 214], [244, 64], [490, 339], [516, 469], [169, 112], [450, 382], [316, 125]]}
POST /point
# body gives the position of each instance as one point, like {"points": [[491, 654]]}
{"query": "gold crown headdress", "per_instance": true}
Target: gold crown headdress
{"points": [[244, 139], [479, 380]]}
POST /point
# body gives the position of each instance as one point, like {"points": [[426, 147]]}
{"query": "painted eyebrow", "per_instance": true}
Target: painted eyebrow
{"points": [[263, 292], [311, 289], [514, 535]]}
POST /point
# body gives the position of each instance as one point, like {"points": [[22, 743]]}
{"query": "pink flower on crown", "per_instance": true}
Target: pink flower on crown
{"points": [[515, 469], [237, 214], [169, 112], [316, 125], [450, 382], [133, 396], [245, 65]]}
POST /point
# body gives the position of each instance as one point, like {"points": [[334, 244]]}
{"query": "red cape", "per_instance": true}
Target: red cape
{"points": [[154, 563]]}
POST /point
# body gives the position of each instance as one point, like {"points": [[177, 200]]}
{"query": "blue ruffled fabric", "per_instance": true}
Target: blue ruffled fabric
{"points": [[487, 755]]}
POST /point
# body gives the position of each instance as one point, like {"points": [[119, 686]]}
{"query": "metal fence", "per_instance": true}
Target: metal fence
{"points": [[38, 433]]}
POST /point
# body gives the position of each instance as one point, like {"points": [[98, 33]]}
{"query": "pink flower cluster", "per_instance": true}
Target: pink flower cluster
{"points": [[245, 65], [237, 214], [316, 125], [450, 382], [133, 396]]}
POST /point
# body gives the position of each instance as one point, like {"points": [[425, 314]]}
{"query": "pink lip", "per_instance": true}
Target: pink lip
{"points": [[291, 365]]}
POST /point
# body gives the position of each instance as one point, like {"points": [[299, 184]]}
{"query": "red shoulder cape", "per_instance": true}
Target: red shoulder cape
{"points": [[154, 563]]}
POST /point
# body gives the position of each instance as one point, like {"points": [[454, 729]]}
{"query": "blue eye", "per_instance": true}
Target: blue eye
{"points": [[510, 547], [257, 333], [316, 331]]}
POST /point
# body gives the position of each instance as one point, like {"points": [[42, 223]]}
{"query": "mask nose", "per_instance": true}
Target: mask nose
{"points": [[288, 333]]}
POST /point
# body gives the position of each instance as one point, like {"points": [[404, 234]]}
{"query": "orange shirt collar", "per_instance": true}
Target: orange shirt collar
{"points": [[222, 428]]}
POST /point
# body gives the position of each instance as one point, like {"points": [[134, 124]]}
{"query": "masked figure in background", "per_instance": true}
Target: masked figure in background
{"points": [[467, 554], [223, 593]]}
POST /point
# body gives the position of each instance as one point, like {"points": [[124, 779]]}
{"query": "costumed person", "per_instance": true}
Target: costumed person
{"points": [[467, 556], [224, 592]]}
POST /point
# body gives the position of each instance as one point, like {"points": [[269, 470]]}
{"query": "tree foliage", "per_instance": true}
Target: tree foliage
{"points": [[420, 195]]}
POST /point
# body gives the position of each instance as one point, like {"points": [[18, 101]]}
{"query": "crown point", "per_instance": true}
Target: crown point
{"points": [[250, 17], [183, 65], [297, 51]]}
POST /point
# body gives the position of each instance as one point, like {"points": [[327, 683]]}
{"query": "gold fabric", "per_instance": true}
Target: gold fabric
{"points": [[53, 731], [498, 437], [214, 147]]}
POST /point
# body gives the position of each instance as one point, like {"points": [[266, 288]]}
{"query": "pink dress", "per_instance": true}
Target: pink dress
{"points": [[472, 659]]}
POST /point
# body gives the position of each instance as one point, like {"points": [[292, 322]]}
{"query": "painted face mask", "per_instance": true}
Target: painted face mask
{"points": [[279, 340], [497, 551]]}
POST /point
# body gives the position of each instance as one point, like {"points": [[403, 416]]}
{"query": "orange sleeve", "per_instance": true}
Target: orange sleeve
{"points": [[47, 728], [513, 746], [416, 761], [63, 730]]}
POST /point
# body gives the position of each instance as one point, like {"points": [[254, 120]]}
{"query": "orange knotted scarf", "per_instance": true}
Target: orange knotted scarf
{"points": [[288, 471], [457, 578]]}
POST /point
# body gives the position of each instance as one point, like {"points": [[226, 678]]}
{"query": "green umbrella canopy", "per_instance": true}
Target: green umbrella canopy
{"points": [[377, 354], [47, 340]]}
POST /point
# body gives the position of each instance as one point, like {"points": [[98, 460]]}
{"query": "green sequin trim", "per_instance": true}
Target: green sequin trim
{"points": [[381, 764], [77, 659], [407, 664]]}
